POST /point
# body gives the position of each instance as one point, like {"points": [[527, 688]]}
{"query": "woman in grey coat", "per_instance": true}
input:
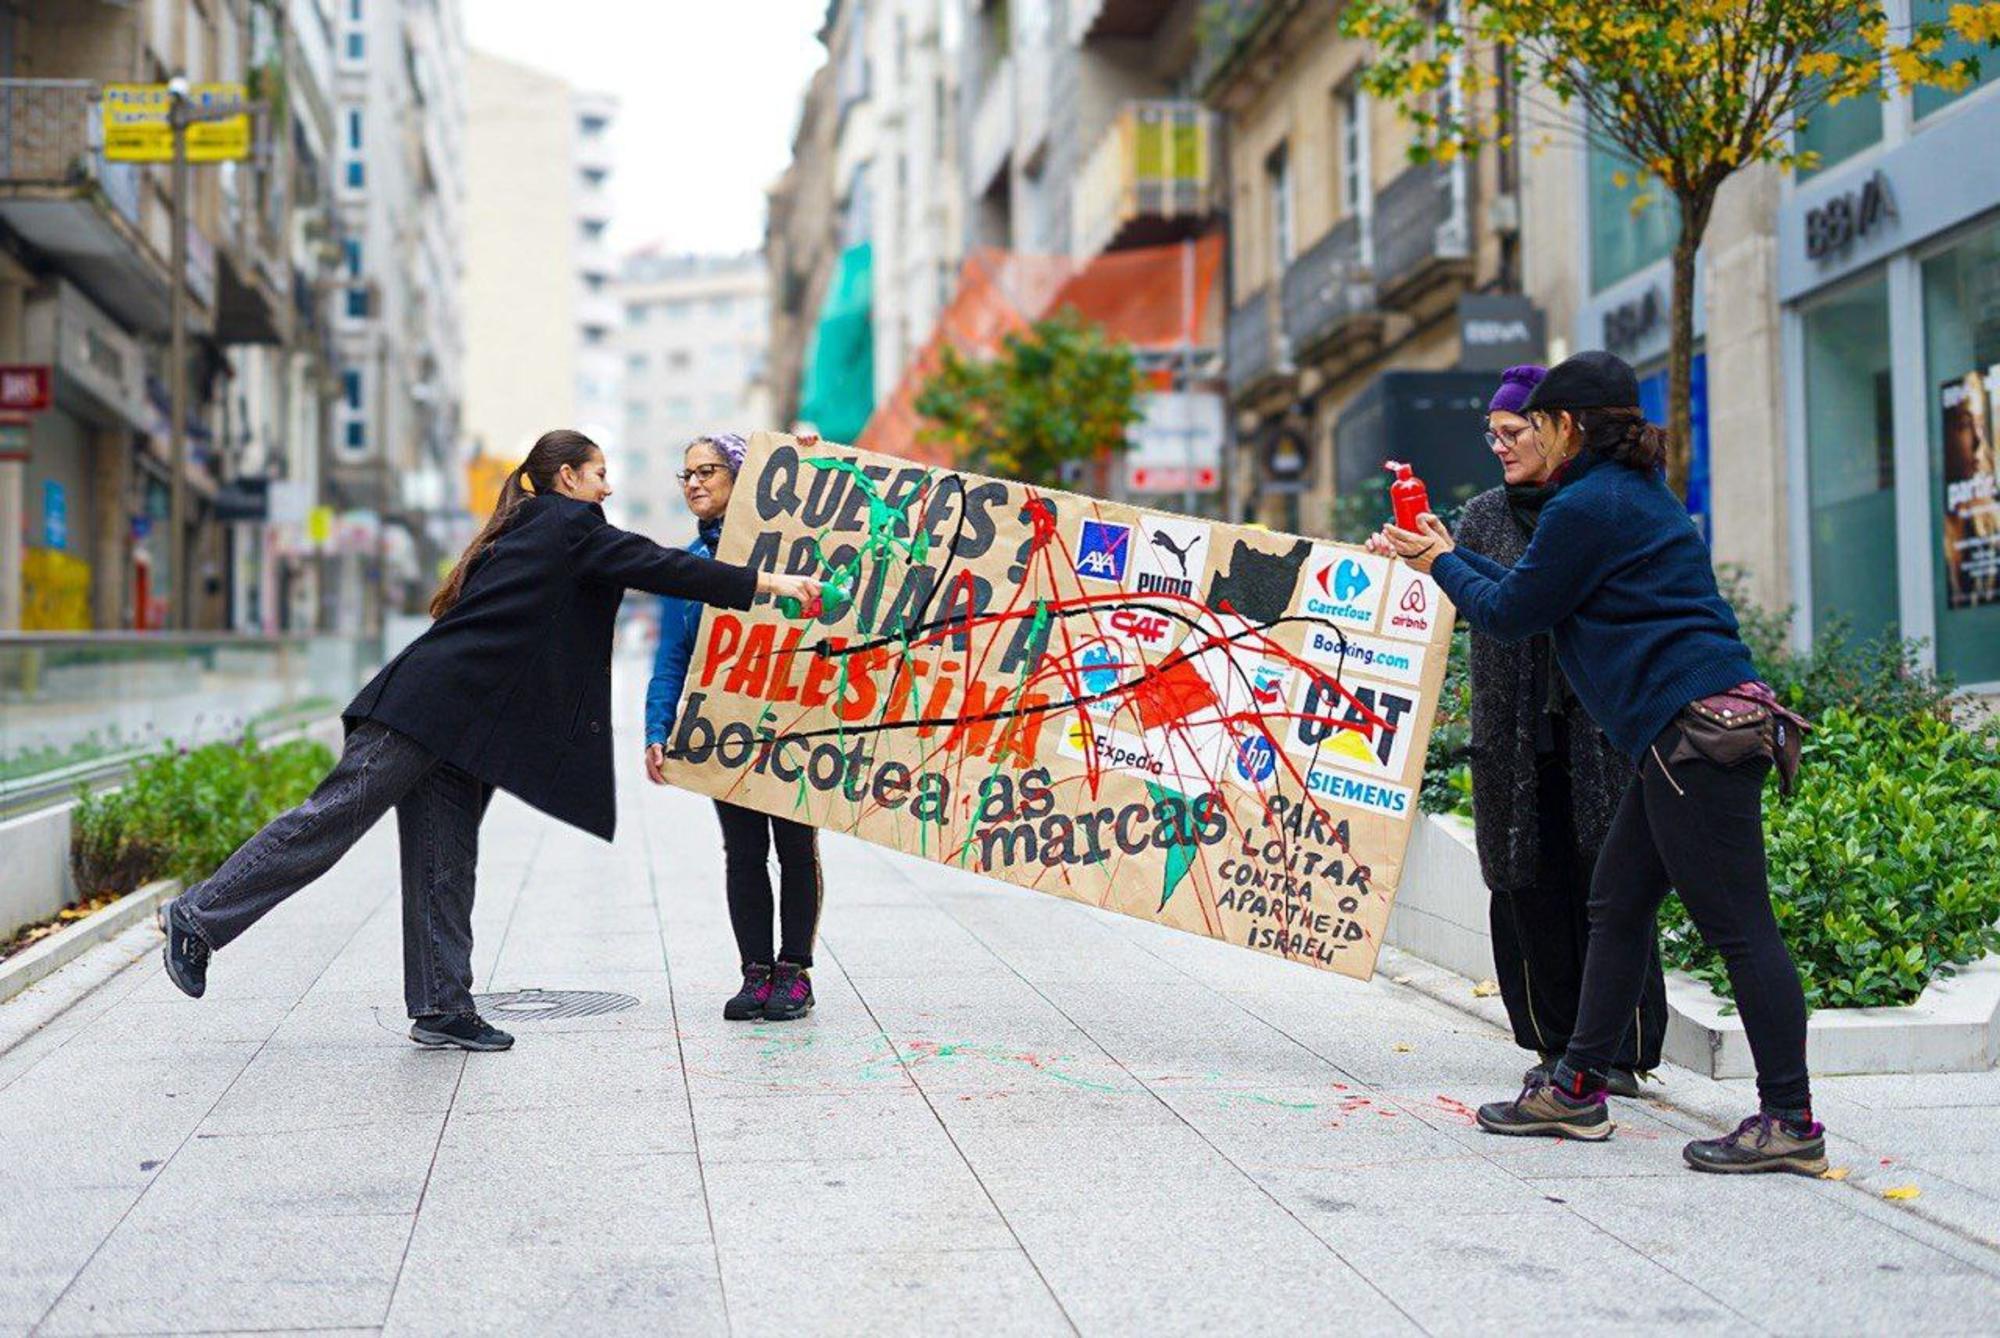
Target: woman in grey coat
{"points": [[1545, 781]]}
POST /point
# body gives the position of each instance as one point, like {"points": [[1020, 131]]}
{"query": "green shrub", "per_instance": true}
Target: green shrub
{"points": [[1885, 867], [185, 811]]}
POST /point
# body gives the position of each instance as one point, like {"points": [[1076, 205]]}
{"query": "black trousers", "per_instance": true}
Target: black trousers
{"points": [[438, 812], [1698, 828], [1542, 932], [747, 838]]}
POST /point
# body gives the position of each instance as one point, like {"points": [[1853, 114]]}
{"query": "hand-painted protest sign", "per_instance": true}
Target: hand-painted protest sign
{"points": [[1211, 726]]}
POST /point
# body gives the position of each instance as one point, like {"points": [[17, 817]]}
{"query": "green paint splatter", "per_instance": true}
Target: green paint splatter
{"points": [[1181, 853]]}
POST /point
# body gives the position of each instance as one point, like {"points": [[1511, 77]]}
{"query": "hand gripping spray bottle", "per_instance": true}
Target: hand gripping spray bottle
{"points": [[1409, 496]]}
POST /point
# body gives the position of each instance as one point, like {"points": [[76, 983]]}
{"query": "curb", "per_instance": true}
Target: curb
{"points": [[60, 949]]}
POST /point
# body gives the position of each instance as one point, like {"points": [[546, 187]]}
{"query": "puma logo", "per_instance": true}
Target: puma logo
{"points": [[1164, 540]]}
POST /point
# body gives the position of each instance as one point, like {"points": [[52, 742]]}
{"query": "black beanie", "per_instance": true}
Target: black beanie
{"points": [[1593, 380]]}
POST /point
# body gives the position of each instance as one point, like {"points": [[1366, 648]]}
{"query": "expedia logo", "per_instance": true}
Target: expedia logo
{"points": [[1149, 629]]}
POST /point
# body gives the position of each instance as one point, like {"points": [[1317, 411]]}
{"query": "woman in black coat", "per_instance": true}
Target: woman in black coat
{"points": [[1545, 781], [510, 688]]}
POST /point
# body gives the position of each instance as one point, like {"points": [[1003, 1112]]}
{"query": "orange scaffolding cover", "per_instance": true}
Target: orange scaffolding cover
{"points": [[1140, 297]]}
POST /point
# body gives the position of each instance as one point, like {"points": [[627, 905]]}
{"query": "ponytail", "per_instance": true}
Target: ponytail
{"points": [[534, 476]]}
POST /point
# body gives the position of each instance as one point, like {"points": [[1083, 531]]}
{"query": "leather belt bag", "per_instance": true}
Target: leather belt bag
{"points": [[1739, 726]]}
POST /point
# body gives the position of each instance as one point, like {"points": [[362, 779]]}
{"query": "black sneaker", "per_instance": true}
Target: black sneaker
{"points": [[1543, 1111], [791, 993], [1622, 1082], [185, 952], [747, 1005], [467, 1031], [1762, 1143]]}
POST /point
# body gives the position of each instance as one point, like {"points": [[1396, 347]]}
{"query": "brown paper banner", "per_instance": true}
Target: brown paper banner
{"points": [[1212, 726]]}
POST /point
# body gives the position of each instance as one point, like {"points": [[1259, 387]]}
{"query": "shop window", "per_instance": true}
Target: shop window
{"points": [[1962, 384], [1653, 404], [1929, 100], [1623, 242], [1839, 131], [1850, 462]]}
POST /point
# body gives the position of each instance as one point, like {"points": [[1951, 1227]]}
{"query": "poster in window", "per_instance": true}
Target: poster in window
{"points": [[1971, 529]]}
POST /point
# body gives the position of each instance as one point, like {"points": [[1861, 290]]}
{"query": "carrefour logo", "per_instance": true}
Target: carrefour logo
{"points": [[1344, 586]]}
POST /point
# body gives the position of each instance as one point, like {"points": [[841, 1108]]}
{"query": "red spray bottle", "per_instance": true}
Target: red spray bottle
{"points": [[1408, 494]]}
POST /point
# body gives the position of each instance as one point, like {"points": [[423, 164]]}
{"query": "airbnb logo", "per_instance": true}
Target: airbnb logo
{"points": [[1413, 598]]}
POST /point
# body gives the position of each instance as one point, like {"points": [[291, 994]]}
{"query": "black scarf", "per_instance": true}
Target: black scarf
{"points": [[1551, 689], [711, 534]]}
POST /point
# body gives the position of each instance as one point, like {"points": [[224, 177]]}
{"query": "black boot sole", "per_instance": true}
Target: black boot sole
{"points": [[732, 1013], [439, 1040], [786, 1015]]}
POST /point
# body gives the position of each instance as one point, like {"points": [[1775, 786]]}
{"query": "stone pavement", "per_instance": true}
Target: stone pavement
{"points": [[1009, 1112]]}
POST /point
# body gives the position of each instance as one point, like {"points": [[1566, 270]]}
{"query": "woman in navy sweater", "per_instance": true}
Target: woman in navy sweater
{"points": [[1619, 577]]}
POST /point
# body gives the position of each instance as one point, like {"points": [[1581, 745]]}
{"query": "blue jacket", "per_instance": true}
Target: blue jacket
{"points": [[1619, 577], [680, 621]]}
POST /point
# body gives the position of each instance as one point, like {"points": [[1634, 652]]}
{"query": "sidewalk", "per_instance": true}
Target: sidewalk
{"points": [[1009, 1112]]}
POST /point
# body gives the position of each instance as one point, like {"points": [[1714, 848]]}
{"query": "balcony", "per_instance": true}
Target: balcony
{"points": [[1231, 30], [1251, 345], [63, 198], [1149, 181], [1422, 245], [992, 143], [1329, 296]]}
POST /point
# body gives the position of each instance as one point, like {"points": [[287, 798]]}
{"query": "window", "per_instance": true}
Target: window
{"points": [[1278, 183], [635, 313], [1840, 130], [357, 303], [1962, 387], [1621, 242], [593, 229], [354, 10], [352, 249], [350, 388], [357, 46], [357, 435], [354, 127], [357, 173], [1929, 100], [1850, 461], [1353, 153], [635, 362], [592, 125], [594, 335]]}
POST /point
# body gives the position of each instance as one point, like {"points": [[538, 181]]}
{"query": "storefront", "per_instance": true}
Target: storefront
{"points": [[1889, 272]]}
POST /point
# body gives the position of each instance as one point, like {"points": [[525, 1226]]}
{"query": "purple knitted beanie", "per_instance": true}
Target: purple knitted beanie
{"points": [[1515, 383]]}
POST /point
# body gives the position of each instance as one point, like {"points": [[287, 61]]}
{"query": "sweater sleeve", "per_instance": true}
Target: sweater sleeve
{"points": [[618, 557], [1485, 566], [670, 666], [1562, 565]]}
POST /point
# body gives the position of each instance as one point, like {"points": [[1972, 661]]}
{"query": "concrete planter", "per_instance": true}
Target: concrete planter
{"points": [[60, 949], [1954, 1027]]}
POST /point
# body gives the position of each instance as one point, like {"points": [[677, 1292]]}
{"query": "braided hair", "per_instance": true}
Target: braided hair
{"points": [[1623, 435]]}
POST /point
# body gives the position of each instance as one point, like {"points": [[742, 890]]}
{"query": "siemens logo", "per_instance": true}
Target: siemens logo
{"points": [[1355, 792]]}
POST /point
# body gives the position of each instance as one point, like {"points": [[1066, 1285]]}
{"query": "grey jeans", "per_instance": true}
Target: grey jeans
{"points": [[438, 810]]}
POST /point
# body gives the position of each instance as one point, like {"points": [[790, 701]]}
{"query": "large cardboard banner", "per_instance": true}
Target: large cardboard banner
{"points": [[1212, 726]]}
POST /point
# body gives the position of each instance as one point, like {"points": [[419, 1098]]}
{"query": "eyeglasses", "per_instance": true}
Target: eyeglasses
{"points": [[1494, 440], [703, 473]]}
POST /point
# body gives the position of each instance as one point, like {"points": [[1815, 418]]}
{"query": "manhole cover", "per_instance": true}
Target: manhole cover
{"points": [[551, 1005]]}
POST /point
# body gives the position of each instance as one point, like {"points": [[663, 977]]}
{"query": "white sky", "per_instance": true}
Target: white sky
{"points": [[708, 95]]}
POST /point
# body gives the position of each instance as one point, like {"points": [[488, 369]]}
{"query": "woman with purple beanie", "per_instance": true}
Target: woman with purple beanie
{"points": [[1545, 780], [777, 984]]}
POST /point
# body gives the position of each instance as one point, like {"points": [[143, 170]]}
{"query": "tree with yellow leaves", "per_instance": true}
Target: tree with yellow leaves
{"points": [[1690, 92]]}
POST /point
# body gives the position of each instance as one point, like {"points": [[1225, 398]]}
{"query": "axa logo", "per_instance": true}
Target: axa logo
{"points": [[1146, 628], [1103, 549], [1344, 581]]}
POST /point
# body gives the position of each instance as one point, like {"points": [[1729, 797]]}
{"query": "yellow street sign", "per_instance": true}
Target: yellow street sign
{"points": [[319, 525], [136, 129]]}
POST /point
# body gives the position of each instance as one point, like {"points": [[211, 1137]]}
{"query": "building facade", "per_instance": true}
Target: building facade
{"points": [[694, 344], [541, 309], [393, 469], [86, 287]]}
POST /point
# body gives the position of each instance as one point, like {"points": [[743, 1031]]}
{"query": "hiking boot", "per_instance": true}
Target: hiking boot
{"points": [[467, 1031], [185, 952], [1762, 1143], [1543, 1111], [1541, 1073], [791, 993], [747, 1005]]}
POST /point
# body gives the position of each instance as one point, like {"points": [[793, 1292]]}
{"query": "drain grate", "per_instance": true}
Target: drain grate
{"points": [[552, 1005]]}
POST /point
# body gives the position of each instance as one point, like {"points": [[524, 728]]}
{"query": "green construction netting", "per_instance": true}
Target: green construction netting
{"points": [[837, 391]]}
